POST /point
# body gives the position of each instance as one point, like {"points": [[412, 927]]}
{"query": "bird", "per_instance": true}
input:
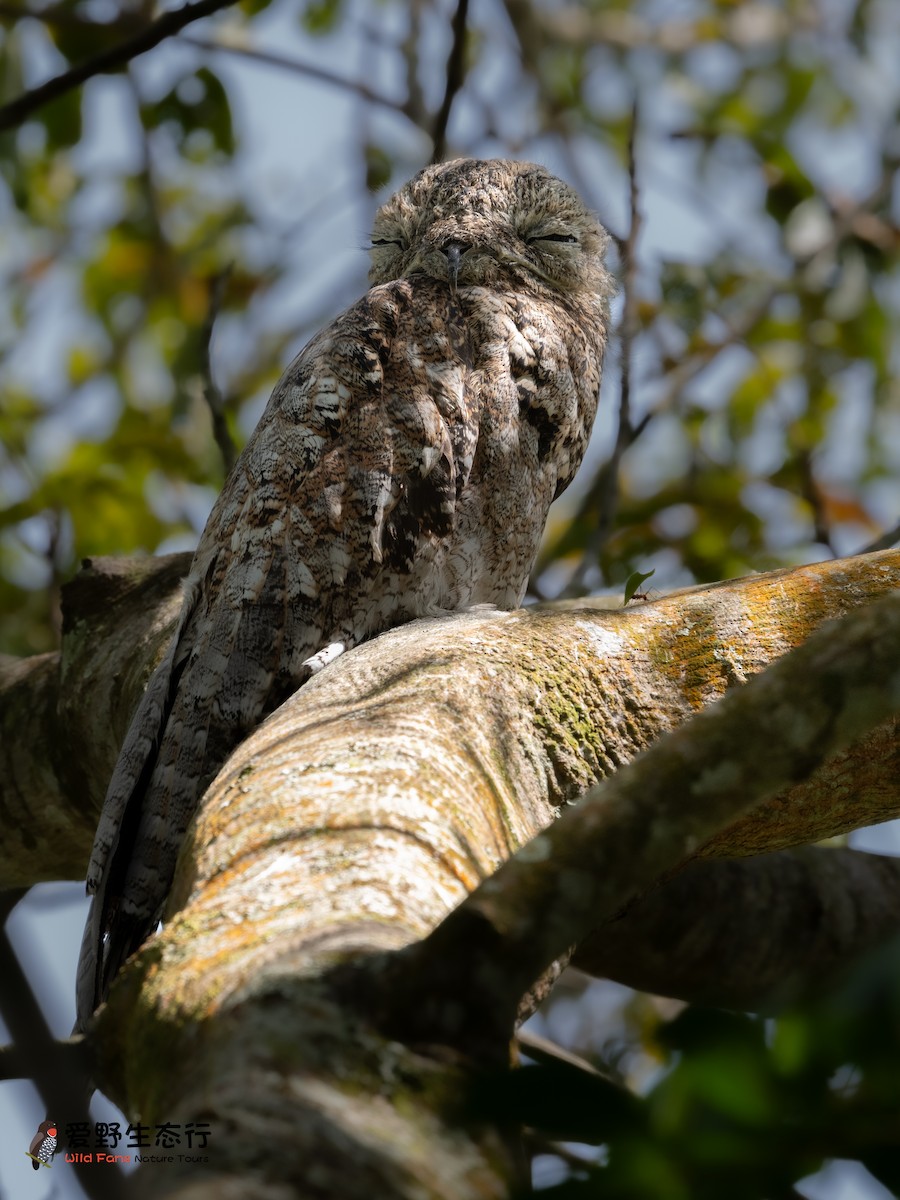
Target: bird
{"points": [[43, 1145], [403, 467]]}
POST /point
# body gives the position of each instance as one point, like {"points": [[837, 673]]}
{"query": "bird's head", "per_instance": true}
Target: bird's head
{"points": [[491, 223]]}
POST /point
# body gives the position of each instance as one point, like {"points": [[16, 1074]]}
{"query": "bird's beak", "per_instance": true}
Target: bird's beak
{"points": [[454, 252]]}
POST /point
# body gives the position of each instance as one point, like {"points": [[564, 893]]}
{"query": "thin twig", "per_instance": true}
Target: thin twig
{"points": [[456, 71], [299, 68], [543, 1050], [409, 48], [809, 490], [606, 493], [16, 111], [886, 541], [211, 391]]}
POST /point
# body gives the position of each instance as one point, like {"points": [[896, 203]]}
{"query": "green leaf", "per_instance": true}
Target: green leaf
{"points": [[633, 582], [196, 108], [378, 167], [321, 16], [62, 120]]}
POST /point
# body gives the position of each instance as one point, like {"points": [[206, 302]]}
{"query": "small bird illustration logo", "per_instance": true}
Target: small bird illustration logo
{"points": [[43, 1145]]}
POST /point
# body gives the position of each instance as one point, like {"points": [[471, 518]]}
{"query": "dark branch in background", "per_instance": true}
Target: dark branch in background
{"points": [[59, 1070], [169, 23], [887, 540], [810, 492], [53, 517], [456, 71], [605, 495], [211, 392], [409, 49]]}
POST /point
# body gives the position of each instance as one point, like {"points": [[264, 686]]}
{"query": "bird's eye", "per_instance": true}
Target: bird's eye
{"points": [[551, 237], [387, 242]]}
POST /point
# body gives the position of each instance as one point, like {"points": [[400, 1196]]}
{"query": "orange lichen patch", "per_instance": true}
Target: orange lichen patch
{"points": [[307, 899]]}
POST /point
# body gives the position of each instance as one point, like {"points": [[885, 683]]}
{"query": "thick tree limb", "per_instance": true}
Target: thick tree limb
{"points": [[647, 820], [751, 933], [633, 675], [63, 716], [342, 803], [360, 813]]}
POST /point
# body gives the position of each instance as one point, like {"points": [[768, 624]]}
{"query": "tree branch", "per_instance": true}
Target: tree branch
{"points": [[166, 25], [63, 716], [212, 393], [456, 72], [651, 817], [380, 795], [885, 541], [605, 492], [267, 58], [753, 933], [60, 730], [59, 1069], [391, 784]]}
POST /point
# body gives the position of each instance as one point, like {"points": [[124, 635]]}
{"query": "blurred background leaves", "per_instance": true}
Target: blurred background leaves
{"points": [[764, 356], [741, 1106]]}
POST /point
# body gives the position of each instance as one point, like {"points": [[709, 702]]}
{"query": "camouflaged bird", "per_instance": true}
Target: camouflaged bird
{"points": [[403, 467]]}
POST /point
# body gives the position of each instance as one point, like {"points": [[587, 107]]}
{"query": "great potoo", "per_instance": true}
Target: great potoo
{"points": [[403, 467]]}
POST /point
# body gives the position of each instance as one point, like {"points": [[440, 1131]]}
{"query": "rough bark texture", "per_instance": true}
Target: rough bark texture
{"points": [[641, 671], [379, 797], [63, 716], [751, 933], [649, 819]]}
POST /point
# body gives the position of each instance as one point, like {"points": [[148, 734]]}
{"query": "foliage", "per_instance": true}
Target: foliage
{"points": [[743, 1106], [633, 586]]}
